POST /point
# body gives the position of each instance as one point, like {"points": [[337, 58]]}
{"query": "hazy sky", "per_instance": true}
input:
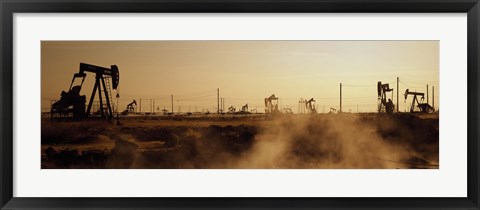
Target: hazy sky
{"points": [[246, 71]]}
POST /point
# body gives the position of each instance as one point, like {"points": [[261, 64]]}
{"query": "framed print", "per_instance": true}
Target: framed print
{"points": [[252, 105]]}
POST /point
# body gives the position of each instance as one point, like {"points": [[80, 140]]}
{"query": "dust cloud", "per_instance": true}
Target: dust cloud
{"points": [[325, 143], [347, 141]]}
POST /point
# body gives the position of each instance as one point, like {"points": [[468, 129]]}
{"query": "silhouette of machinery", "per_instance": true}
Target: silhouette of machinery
{"points": [[244, 110], [287, 111], [231, 110], [130, 108], [310, 105], [384, 104], [424, 107], [72, 102], [165, 112], [271, 105]]}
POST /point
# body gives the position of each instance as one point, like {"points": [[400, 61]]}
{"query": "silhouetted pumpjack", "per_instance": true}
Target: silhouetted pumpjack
{"points": [[310, 104], [287, 111], [73, 97], [270, 107], [130, 108], [244, 110], [231, 110], [424, 107], [383, 104]]}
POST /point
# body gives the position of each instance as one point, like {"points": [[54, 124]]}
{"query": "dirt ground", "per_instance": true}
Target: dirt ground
{"points": [[322, 141]]}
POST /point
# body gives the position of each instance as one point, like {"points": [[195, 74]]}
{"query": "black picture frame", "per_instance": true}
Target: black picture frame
{"points": [[10, 7]]}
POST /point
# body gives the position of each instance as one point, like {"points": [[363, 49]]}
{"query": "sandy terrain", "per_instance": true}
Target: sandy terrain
{"points": [[339, 141]]}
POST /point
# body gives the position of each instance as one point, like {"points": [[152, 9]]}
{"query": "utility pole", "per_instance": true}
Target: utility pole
{"points": [[218, 100], [398, 102], [172, 104], [427, 93], [433, 98], [340, 97], [140, 106]]}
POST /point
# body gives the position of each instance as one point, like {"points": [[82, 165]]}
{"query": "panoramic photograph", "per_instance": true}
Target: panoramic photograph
{"points": [[240, 104]]}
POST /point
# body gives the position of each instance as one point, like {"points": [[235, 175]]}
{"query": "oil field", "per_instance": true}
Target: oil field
{"points": [[231, 119]]}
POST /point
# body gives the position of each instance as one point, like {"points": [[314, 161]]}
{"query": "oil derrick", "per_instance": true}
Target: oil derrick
{"points": [[130, 108], [424, 107], [310, 105], [72, 104], [384, 104], [271, 105]]}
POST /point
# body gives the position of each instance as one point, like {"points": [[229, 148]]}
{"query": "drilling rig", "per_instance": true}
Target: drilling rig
{"points": [[72, 102], [424, 107], [310, 104], [271, 105], [383, 103]]}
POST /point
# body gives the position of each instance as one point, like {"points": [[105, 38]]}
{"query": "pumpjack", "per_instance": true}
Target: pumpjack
{"points": [[310, 104], [287, 111], [130, 108], [244, 110], [231, 110], [384, 104], [424, 107], [271, 105], [73, 99]]}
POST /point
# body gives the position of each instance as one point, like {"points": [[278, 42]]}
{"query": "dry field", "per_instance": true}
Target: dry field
{"points": [[323, 141]]}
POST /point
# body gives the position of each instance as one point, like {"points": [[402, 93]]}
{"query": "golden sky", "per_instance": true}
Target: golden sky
{"points": [[246, 71]]}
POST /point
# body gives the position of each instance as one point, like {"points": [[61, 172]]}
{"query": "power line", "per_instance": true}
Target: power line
{"points": [[411, 86], [419, 81], [197, 97], [358, 85], [194, 94]]}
